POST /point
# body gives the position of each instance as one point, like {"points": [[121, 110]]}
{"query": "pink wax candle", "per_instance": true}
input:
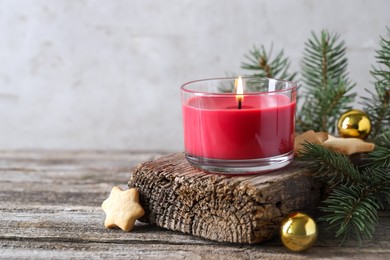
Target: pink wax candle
{"points": [[248, 132]]}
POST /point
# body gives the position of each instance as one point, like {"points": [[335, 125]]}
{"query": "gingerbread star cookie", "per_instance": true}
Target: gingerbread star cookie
{"points": [[310, 137], [122, 208], [348, 146]]}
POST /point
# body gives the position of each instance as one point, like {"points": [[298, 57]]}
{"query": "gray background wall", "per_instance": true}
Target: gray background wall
{"points": [[106, 74]]}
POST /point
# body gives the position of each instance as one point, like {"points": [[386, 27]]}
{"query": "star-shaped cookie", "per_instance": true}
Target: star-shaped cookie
{"points": [[122, 208], [310, 137], [348, 146]]}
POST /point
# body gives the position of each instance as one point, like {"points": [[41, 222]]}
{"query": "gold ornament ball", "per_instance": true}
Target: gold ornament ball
{"points": [[298, 232], [354, 123]]}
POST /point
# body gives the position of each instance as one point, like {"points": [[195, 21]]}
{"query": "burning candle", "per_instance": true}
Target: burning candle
{"points": [[239, 132]]}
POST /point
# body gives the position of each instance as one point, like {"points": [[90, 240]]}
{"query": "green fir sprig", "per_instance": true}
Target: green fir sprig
{"points": [[330, 166], [351, 211], [327, 88], [380, 157], [377, 105], [356, 195], [264, 65]]}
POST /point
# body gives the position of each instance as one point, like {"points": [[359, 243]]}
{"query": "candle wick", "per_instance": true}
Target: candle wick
{"points": [[239, 104]]}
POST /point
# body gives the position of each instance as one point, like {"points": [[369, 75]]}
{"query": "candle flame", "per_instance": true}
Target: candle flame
{"points": [[239, 89]]}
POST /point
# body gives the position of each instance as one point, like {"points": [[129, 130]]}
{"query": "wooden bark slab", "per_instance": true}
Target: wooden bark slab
{"points": [[245, 209]]}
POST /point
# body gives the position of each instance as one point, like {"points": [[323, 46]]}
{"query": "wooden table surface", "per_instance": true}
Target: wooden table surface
{"points": [[50, 208]]}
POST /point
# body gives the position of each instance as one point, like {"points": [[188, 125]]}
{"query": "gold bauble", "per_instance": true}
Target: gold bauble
{"points": [[354, 123], [298, 232]]}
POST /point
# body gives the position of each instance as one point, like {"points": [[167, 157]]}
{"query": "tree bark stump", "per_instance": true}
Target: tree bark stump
{"points": [[237, 209]]}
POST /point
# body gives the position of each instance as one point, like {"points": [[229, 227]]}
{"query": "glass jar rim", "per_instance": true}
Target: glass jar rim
{"points": [[204, 93]]}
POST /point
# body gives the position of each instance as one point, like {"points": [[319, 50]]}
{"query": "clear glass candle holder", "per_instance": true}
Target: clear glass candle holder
{"points": [[239, 132]]}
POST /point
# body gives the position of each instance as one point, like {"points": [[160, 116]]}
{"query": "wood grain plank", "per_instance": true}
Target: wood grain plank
{"points": [[50, 208]]}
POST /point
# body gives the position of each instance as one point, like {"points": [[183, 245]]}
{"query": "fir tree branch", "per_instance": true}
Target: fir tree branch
{"points": [[380, 157], [261, 61], [327, 87], [378, 104], [378, 107], [383, 139], [378, 179], [355, 197], [333, 106], [329, 166], [351, 211]]}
